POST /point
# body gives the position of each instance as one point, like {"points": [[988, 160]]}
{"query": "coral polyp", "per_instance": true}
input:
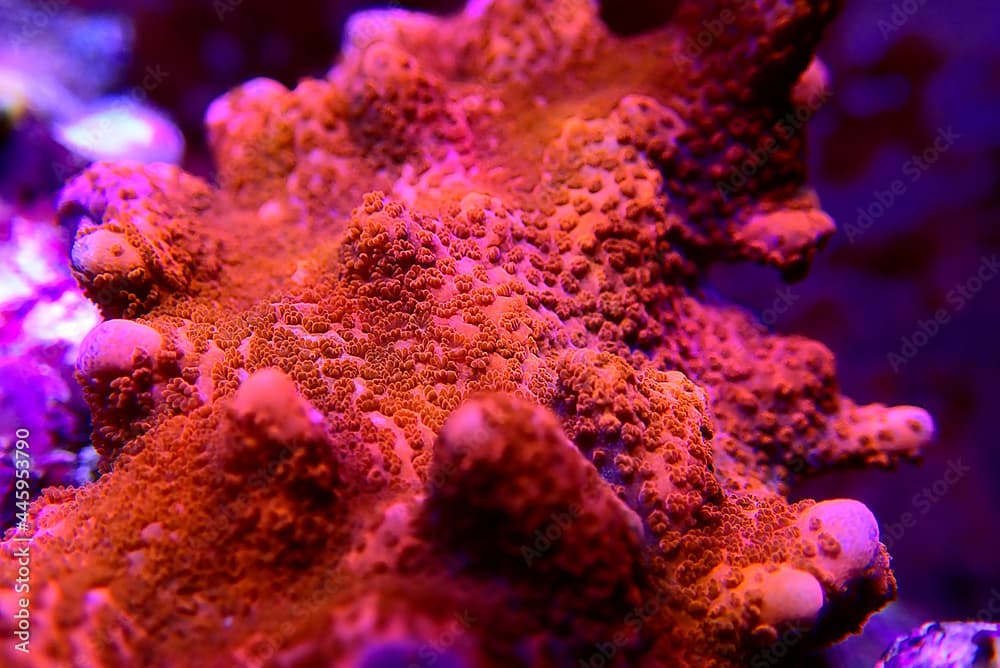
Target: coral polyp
{"points": [[433, 360]]}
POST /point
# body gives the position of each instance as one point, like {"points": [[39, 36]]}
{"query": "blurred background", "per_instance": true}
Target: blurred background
{"points": [[905, 156]]}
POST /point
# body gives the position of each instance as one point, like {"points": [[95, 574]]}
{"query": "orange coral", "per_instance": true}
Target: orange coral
{"points": [[430, 373]]}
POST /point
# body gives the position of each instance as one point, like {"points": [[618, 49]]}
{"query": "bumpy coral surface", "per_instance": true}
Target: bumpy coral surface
{"points": [[429, 377]]}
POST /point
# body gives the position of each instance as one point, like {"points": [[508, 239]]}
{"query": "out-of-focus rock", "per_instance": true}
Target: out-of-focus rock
{"points": [[946, 645]]}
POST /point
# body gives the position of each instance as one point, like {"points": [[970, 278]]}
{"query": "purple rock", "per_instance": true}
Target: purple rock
{"points": [[946, 645], [43, 317]]}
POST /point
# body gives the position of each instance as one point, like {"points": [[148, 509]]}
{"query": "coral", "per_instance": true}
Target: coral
{"points": [[136, 237], [432, 376]]}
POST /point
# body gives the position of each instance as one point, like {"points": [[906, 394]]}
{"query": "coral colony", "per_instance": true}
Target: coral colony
{"points": [[429, 376]]}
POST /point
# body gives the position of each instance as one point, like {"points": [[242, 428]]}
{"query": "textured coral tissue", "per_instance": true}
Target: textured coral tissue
{"points": [[430, 377]]}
